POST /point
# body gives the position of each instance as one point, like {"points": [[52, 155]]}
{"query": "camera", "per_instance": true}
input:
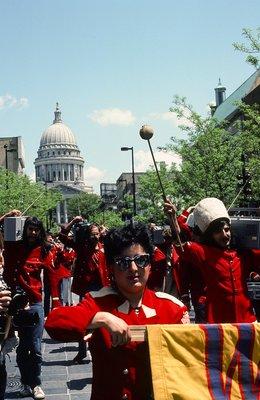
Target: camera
{"points": [[20, 317], [18, 302], [245, 228], [80, 231], [157, 236]]}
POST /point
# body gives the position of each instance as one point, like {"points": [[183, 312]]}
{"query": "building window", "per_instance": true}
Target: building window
{"points": [[65, 175], [53, 153], [58, 152], [59, 176]]}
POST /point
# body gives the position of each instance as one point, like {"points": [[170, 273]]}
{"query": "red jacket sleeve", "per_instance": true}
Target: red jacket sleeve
{"points": [[69, 324]]}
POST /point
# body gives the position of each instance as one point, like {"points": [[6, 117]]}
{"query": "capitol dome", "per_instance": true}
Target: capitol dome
{"points": [[59, 160], [58, 133]]}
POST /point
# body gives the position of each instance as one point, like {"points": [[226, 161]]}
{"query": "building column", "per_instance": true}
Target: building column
{"points": [[65, 208], [58, 213]]}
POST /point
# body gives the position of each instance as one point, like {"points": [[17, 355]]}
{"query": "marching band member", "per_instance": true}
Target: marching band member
{"points": [[120, 367]]}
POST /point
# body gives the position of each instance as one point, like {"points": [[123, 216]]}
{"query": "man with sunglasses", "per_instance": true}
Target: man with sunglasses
{"points": [[121, 368]]}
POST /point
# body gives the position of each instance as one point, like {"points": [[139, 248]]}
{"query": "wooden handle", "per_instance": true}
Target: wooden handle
{"points": [[138, 333]]}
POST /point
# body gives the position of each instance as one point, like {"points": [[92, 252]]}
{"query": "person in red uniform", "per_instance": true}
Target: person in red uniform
{"points": [[24, 261], [90, 270], [191, 285], [224, 270], [121, 367], [64, 263]]}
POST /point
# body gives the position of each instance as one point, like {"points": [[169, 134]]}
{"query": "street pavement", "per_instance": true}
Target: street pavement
{"points": [[60, 379]]}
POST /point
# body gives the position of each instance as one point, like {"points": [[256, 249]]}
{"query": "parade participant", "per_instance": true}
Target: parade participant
{"points": [[24, 262], [157, 276], [65, 261], [5, 298], [103, 231], [121, 368], [190, 282], [224, 270], [171, 260], [46, 283], [90, 271]]}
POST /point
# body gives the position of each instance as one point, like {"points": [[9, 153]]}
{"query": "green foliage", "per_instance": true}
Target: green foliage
{"points": [[110, 219], [19, 192], [211, 161], [85, 204], [210, 157], [250, 142], [252, 48], [150, 195], [89, 205]]}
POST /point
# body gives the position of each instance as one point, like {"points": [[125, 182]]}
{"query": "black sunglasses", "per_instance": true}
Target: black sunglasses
{"points": [[124, 263]]}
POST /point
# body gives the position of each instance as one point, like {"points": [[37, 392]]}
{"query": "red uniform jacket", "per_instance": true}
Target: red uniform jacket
{"points": [[224, 273], [182, 221], [64, 261], [23, 266], [90, 266], [121, 372], [189, 278], [158, 270]]}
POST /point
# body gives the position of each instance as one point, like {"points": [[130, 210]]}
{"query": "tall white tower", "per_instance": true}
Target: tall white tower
{"points": [[59, 160], [59, 163]]}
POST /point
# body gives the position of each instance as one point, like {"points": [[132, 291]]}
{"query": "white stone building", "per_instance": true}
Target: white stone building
{"points": [[59, 163]]}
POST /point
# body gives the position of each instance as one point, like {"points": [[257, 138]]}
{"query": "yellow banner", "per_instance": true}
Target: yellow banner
{"points": [[205, 362]]}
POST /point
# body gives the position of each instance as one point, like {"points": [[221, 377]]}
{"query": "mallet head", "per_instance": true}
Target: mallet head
{"points": [[146, 132]]}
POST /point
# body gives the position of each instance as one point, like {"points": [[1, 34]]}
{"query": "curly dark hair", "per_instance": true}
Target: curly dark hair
{"points": [[119, 239]]}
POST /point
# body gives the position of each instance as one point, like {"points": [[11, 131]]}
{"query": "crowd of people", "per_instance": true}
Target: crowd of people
{"points": [[122, 277]]}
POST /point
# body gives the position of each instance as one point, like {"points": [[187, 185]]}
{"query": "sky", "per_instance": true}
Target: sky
{"points": [[114, 66]]}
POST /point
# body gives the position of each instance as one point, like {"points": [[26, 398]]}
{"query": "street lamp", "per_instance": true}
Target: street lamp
{"points": [[133, 176]]}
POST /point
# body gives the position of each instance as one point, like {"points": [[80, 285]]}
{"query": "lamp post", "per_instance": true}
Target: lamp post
{"points": [[133, 176]]}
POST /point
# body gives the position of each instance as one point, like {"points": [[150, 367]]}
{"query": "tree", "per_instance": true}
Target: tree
{"points": [[89, 206], [19, 192], [85, 204], [150, 195], [252, 48], [110, 219], [211, 154], [250, 141]]}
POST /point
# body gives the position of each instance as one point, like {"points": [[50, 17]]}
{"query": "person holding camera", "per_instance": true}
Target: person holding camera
{"points": [[121, 368], [24, 261], [5, 298], [90, 269], [7, 341], [223, 269]]}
